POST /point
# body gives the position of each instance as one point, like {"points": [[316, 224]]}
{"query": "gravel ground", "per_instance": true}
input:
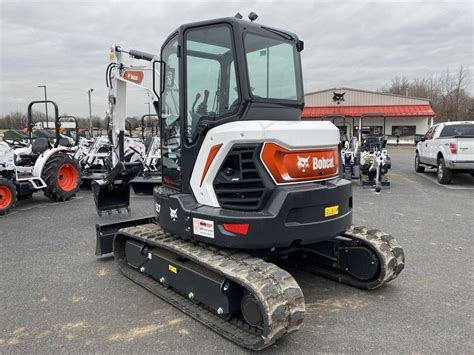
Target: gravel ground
{"points": [[57, 297]]}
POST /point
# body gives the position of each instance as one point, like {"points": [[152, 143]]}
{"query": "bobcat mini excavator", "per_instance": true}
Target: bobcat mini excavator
{"points": [[248, 188]]}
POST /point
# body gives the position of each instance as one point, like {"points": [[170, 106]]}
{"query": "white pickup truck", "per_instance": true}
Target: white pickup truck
{"points": [[449, 147]]}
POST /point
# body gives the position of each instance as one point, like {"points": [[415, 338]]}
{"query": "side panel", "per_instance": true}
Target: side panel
{"points": [[291, 134]]}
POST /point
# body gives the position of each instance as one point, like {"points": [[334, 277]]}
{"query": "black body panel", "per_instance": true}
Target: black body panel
{"points": [[242, 182], [294, 215]]}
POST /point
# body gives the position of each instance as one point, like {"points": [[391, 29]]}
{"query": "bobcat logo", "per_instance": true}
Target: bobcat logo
{"points": [[338, 98], [174, 214], [302, 163]]}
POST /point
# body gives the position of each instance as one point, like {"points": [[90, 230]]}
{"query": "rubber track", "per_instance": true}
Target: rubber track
{"points": [[387, 249], [280, 296]]}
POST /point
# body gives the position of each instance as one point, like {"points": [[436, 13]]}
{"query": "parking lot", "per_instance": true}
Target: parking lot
{"points": [[56, 296]]}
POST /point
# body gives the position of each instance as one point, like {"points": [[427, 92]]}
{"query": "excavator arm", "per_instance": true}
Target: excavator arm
{"points": [[112, 193]]}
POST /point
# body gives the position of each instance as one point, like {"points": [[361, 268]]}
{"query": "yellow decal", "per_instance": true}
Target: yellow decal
{"points": [[111, 56], [172, 269], [331, 211]]}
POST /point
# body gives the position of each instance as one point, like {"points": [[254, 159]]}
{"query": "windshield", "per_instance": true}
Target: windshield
{"points": [[273, 68], [210, 76], [458, 130]]}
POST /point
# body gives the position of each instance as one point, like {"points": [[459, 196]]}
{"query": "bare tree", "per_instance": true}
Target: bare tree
{"points": [[446, 92]]}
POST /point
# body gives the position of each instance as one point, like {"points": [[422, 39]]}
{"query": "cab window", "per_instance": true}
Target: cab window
{"points": [[212, 91]]}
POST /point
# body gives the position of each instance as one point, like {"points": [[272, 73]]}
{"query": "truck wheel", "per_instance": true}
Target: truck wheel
{"points": [[418, 167], [7, 196], [62, 177], [444, 174]]}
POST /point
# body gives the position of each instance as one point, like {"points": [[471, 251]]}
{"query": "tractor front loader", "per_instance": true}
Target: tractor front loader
{"points": [[248, 188]]}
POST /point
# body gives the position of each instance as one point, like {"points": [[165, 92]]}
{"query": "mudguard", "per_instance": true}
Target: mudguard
{"points": [[43, 158]]}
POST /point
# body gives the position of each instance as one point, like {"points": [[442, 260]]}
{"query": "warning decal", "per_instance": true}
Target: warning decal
{"points": [[203, 227]]}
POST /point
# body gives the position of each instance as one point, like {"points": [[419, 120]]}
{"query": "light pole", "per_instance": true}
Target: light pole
{"points": [[90, 111], [45, 105]]}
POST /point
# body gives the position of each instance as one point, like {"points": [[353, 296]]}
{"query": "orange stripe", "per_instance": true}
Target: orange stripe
{"points": [[210, 158]]}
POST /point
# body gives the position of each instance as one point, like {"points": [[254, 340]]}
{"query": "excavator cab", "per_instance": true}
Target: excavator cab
{"points": [[222, 71]]}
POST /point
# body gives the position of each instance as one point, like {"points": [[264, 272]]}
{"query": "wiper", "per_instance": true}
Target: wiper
{"points": [[464, 136]]}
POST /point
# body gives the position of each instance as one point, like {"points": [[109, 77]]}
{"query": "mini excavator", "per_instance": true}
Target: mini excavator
{"points": [[247, 187]]}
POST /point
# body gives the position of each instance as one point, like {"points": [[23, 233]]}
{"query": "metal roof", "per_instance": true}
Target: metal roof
{"points": [[365, 91], [357, 111]]}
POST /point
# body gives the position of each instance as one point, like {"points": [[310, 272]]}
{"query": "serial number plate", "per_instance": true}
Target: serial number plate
{"points": [[331, 211], [173, 269]]}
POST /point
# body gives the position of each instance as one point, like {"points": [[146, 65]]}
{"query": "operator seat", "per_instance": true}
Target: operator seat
{"points": [[39, 145]]}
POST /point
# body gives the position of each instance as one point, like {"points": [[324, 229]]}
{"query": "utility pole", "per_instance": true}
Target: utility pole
{"points": [[90, 111], [45, 105]]}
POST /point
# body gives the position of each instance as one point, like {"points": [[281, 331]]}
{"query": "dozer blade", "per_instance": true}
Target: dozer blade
{"points": [[145, 184], [105, 233], [110, 197]]}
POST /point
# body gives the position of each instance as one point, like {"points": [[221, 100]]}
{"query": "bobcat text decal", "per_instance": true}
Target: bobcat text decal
{"points": [[135, 76], [287, 166]]}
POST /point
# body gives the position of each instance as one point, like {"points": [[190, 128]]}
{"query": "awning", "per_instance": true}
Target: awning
{"points": [[357, 111]]}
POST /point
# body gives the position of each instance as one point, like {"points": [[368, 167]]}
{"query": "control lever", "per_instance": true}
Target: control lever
{"points": [[198, 95], [202, 108]]}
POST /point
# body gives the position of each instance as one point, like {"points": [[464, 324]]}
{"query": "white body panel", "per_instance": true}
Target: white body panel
{"points": [[43, 158], [289, 134], [7, 161]]}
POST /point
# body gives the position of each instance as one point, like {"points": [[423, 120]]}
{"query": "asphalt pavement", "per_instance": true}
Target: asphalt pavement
{"points": [[57, 297]]}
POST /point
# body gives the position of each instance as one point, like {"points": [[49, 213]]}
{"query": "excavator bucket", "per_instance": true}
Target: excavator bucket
{"points": [[113, 192], [109, 197], [145, 184]]}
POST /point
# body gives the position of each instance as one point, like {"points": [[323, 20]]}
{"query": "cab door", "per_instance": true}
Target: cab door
{"points": [[170, 116]]}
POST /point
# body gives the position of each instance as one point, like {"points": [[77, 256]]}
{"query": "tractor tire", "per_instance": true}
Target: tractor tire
{"points": [[61, 174], [444, 174], [7, 196], [418, 167]]}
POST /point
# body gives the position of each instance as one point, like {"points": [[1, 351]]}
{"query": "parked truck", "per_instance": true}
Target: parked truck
{"points": [[448, 147]]}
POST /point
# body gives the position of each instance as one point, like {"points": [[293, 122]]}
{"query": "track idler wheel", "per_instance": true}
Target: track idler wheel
{"points": [[251, 311]]}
